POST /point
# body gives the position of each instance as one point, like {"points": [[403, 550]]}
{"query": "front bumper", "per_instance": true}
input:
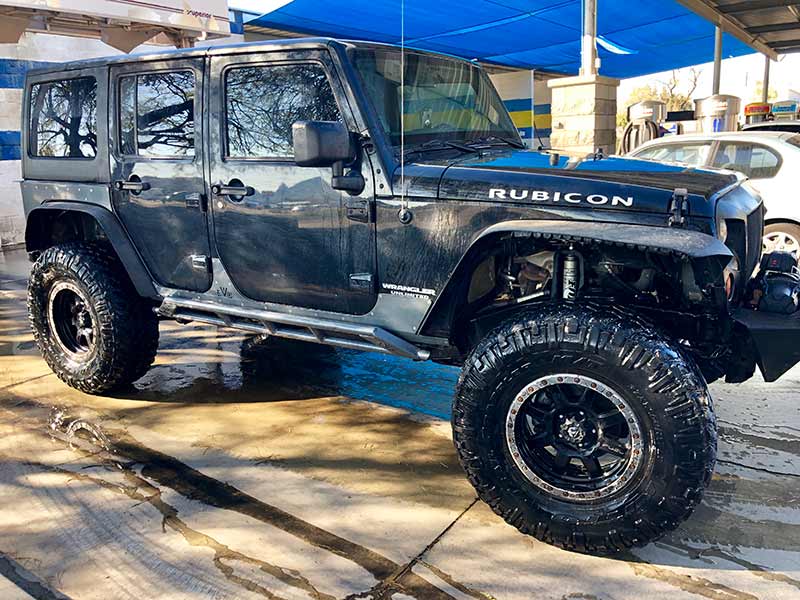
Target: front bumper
{"points": [[776, 339]]}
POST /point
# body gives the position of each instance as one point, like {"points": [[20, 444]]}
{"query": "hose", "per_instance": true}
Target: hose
{"points": [[637, 133]]}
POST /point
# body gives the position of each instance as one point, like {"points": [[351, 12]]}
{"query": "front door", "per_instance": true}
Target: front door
{"points": [[157, 168], [282, 233]]}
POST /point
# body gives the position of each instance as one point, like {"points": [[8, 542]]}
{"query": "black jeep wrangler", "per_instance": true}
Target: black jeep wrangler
{"points": [[351, 194]]}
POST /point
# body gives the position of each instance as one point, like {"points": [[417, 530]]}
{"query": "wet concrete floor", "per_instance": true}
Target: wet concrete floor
{"points": [[238, 468]]}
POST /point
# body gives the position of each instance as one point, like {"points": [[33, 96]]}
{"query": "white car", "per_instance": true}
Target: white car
{"points": [[792, 126], [770, 159]]}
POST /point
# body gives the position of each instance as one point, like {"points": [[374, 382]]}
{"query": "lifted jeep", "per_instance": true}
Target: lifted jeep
{"points": [[330, 192]]}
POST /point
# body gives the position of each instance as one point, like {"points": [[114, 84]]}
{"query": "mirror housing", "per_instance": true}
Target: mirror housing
{"points": [[322, 143]]}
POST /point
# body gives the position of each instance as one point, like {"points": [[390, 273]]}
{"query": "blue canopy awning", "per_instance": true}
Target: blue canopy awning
{"points": [[635, 38]]}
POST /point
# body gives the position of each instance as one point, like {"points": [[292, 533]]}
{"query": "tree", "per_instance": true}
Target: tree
{"points": [[772, 96], [676, 92]]}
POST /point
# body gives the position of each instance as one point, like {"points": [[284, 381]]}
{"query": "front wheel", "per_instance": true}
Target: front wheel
{"points": [[584, 428]]}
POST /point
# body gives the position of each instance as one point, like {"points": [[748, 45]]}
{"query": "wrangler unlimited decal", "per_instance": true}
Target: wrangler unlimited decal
{"points": [[405, 290], [570, 197]]}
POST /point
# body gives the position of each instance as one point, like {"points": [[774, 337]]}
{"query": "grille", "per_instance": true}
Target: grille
{"points": [[755, 228]]}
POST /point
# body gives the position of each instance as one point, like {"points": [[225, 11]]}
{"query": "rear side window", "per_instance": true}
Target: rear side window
{"points": [[754, 160], [262, 103], [688, 154], [63, 119], [156, 114]]}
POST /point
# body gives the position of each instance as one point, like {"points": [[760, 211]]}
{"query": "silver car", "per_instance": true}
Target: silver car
{"points": [[770, 159]]}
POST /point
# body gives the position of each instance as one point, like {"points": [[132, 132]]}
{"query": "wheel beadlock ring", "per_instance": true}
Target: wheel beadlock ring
{"points": [[635, 455]]}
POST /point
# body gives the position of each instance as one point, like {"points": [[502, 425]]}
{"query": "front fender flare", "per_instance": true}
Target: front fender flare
{"points": [[708, 255], [108, 222], [692, 244]]}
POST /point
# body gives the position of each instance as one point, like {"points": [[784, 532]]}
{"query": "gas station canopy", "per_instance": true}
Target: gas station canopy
{"points": [[634, 38], [774, 23]]}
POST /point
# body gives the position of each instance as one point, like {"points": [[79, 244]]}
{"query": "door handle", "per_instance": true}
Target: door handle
{"points": [[134, 185], [235, 189], [358, 210]]}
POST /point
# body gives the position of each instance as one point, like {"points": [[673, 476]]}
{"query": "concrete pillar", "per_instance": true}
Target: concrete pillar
{"points": [[584, 113], [765, 90]]}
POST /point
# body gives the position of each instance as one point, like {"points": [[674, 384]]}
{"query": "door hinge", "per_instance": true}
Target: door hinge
{"points": [[359, 210], [200, 262], [679, 208], [197, 200], [361, 281]]}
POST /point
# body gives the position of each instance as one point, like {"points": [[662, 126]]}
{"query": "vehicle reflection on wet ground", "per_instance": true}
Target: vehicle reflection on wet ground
{"points": [[240, 467]]}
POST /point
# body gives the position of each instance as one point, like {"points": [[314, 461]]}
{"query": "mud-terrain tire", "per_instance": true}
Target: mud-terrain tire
{"points": [[620, 362], [92, 328]]}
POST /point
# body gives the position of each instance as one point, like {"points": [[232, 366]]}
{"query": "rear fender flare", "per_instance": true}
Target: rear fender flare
{"points": [[37, 238]]}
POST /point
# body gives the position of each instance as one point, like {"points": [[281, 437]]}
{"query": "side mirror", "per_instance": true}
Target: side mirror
{"points": [[328, 144], [322, 143]]}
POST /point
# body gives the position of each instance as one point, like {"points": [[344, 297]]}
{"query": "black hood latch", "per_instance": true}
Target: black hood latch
{"points": [[679, 207]]}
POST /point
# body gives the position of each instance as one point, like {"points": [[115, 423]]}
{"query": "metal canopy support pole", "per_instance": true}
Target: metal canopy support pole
{"points": [[765, 90], [588, 47], [533, 110], [717, 59]]}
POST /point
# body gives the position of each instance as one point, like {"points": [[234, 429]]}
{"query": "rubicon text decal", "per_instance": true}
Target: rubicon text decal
{"points": [[556, 197]]}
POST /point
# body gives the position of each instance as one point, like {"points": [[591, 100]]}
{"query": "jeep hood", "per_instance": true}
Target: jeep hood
{"points": [[527, 177]]}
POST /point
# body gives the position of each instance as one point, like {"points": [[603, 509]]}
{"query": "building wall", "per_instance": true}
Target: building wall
{"points": [[529, 105]]}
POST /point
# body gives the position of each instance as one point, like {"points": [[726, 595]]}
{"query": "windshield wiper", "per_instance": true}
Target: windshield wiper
{"points": [[439, 144], [492, 138]]}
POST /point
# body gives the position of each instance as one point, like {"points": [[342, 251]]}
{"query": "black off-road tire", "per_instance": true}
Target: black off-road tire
{"points": [[126, 338], [662, 386]]}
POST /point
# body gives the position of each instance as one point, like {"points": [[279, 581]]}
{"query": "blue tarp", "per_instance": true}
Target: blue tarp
{"points": [[637, 37]]}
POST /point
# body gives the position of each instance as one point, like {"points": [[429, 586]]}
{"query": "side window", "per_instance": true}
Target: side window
{"points": [[63, 119], [262, 102], [689, 154], [156, 114], [754, 160]]}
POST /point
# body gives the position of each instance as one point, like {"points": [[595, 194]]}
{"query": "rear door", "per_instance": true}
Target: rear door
{"points": [[157, 167], [286, 236]]}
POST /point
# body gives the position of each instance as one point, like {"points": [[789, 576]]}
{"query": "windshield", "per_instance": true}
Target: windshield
{"points": [[442, 98]]}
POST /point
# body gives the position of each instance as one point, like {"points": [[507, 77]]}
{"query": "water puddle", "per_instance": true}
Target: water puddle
{"points": [[252, 369], [74, 428]]}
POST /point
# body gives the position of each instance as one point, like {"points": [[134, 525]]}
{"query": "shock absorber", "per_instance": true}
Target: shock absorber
{"points": [[570, 275]]}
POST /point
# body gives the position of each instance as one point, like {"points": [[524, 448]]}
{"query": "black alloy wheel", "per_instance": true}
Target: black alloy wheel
{"points": [[574, 437], [72, 321]]}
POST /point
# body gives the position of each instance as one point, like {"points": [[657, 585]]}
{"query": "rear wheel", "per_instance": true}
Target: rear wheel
{"points": [[94, 331], [584, 429]]}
